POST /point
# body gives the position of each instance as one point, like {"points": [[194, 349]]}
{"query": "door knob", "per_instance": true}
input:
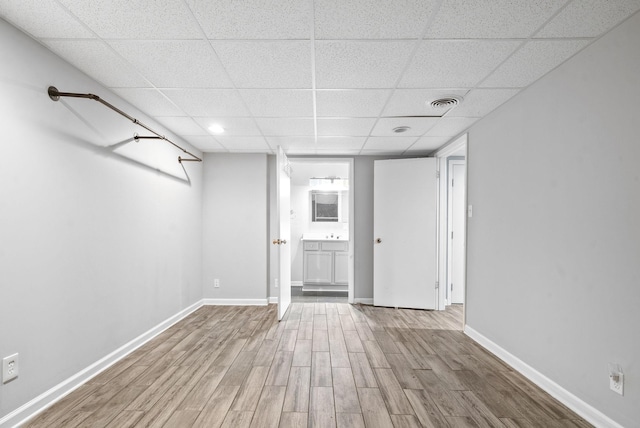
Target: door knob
{"points": [[378, 241], [284, 241], [276, 242]]}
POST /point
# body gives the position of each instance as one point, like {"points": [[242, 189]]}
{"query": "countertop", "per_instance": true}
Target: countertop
{"points": [[324, 237]]}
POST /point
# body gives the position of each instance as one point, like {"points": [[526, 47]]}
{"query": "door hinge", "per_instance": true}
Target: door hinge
{"points": [[452, 181], [452, 234], [437, 285], [437, 174]]}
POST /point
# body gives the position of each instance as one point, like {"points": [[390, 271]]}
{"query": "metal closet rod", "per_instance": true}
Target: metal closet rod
{"points": [[55, 95]]}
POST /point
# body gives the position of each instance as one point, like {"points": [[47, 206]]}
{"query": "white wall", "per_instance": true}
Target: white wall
{"points": [[554, 242], [95, 248], [235, 239]]}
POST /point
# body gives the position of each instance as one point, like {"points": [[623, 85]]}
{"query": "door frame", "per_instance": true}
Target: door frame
{"points": [[459, 145], [351, 252], [451, 161]]}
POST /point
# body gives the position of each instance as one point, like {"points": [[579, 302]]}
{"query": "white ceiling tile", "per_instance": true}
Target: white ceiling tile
{"points": [[234, 126], [286, 126], [428, 144], [358, 127], [208, 102], [385, 125], [417, 102], [450, 126], [455, 63], [181, 125], [478, 19], [150, 101], [371, 19], [36, 17], [301, 151], [533, 61], [175, 63], [253, 19], [278, 102], [379, 152], [255, 143], [98, 61], [337, 152], [158, 19], [306, 143], [389, 143], [588, 18], [480, 102], [360, 64], [340, 143], [206, 143], [351, 103], [267, 64]]}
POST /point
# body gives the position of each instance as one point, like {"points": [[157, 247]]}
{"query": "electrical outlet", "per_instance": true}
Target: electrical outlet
{"points": [[216, 283], [9, 368], [617, 386]]}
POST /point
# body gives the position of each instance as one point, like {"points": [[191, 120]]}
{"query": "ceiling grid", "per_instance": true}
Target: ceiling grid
{"points": [[324, 77]]}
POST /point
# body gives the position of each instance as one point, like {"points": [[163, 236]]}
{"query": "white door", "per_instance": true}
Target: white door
{"points": [[457, 231], [405, 225], [283, 194]]}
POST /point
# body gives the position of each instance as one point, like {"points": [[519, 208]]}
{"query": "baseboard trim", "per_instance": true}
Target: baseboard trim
{"points": [[296, 283], [235, 302], [48, 398], [273, 300], [589, 413], [366, 301]]}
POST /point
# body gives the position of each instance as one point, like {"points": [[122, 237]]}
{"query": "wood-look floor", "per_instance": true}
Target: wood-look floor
{"points": [[325, 365]]}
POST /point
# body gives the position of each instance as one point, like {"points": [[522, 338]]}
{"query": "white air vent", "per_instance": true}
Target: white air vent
{"points": [[401, 129], [446, 102]]}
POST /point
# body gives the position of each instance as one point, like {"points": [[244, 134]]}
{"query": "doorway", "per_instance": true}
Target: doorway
{"points": [[321, 230], [453, 213], [456, 172]]}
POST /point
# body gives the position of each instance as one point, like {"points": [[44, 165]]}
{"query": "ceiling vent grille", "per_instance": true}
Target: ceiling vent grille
{"points": [[401, 129], [446, 102]]}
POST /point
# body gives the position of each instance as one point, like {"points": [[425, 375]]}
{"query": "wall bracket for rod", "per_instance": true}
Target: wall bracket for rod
{"points": [[55, 95]]}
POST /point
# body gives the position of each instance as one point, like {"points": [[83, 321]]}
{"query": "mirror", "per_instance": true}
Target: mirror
{"points": [[325, 206]]}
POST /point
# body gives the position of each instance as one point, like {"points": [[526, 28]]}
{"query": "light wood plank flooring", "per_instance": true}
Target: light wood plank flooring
{"points": [[324, 365]]}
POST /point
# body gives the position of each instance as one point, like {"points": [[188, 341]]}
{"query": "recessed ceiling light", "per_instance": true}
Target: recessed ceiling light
{"points": [[216, 128], [401, 129]]}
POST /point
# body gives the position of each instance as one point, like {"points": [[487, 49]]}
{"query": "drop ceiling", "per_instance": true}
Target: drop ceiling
{"points": [[322, 77]]}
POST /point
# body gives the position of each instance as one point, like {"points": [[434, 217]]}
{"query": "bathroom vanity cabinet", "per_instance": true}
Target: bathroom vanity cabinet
{"points": [[325, 265]]}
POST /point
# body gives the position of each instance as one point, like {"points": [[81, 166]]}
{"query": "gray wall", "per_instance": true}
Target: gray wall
{"points": [[554, 242], [235, 240], [95, 248]]}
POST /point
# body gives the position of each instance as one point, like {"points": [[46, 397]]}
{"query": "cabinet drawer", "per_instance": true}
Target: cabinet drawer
{"points": [[335, 246], [312, 246]]}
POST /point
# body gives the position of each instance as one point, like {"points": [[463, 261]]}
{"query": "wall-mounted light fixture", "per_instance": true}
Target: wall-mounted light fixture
{"points": [[329, 183]]}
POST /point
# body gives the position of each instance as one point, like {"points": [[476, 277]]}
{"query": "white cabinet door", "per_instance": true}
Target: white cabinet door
{"points": [[341, 268], [318, 267], [404, 206]]}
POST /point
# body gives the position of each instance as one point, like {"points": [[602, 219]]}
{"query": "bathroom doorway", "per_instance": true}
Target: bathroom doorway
{"points": [[322, 230]]}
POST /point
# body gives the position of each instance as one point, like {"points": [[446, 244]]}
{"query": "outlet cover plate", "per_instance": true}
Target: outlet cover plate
{"points": [[9, 368], [617, 387]]}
